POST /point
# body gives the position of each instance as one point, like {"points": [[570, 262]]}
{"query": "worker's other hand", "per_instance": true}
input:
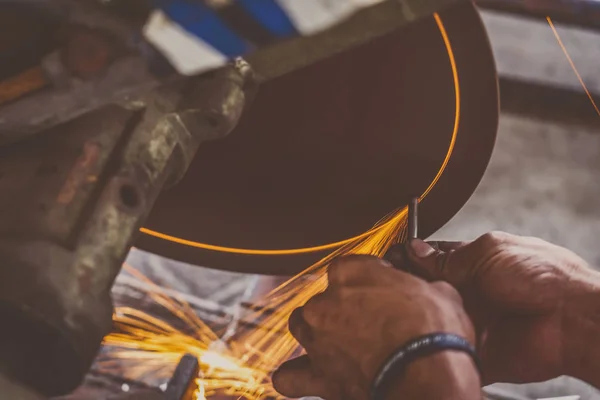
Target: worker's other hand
{"points": [[368, 310], [523, 295]]}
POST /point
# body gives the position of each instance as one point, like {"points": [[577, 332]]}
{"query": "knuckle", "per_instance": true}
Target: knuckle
{"points": [[493, 239], [446, 290], [335, 271], [361, 300], [341, 268], [358, 260], [444, 287], [317, 309], [384, 263]]}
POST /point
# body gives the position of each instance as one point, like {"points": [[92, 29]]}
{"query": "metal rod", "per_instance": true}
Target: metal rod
{"points": [[413, 216], [182, 385]]}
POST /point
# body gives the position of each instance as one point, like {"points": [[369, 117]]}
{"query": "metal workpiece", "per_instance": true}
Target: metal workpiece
{"points": [[72, 200], [182, 385], [396, 254], [413, 219]]}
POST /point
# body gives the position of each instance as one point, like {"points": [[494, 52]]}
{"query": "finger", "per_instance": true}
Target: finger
{"points": [[297, 378], [426, 261], [326, 311], [461, 263], [355, 269], [456, 266], [299, 329], [398, 257], [435, 264], [315, 311]]}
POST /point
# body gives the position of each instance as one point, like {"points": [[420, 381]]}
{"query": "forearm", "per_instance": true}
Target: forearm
{"points": [[444, 376], [581, 330]]}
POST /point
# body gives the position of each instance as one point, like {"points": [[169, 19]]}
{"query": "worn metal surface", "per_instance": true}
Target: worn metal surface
{"points": [[72, 201], [328, 162], [88, 53], [126, 79]]}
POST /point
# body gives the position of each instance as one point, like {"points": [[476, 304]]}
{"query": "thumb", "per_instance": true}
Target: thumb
{"points": [[297, 378], [434, 264]]}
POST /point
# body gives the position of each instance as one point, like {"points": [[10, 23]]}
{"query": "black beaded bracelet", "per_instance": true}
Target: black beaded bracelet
{"points": [[417, 348]]}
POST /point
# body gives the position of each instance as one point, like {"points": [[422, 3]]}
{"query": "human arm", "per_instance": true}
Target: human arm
{"points": [[447, 375], [582, 330]]}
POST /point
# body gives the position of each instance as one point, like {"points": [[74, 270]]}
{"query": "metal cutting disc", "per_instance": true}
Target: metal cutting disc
{"points": [[326, 151]]}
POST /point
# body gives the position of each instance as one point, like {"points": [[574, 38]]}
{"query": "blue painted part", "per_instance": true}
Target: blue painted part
{"points": [[201, 21], [271, 16]]}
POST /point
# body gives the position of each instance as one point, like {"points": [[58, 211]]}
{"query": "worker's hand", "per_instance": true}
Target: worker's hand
{"points": [[368, 311], [523, 295]]}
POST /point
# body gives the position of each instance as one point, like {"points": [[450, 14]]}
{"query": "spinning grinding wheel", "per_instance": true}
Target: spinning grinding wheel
{"points": [[326, 151]]}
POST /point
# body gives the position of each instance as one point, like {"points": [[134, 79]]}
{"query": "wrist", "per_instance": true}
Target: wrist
{"points": [[581, 328], [449, 375]]}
